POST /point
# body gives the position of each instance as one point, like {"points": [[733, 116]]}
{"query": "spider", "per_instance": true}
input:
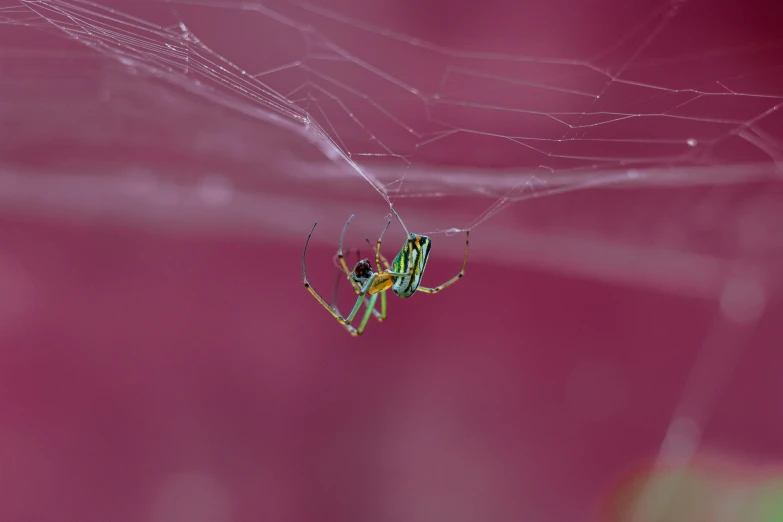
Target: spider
{"points": [[403, 276]]}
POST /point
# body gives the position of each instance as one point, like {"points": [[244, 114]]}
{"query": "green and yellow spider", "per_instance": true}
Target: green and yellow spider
{"points": [[403, 276]]}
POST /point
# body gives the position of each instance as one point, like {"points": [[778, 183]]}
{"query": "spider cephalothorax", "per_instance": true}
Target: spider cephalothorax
{"points": [[362, 271], [402, 276]]}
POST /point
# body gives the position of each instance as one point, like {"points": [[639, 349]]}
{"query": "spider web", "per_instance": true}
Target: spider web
{"points": [[267, 100], [450, 134], [638, 144]]}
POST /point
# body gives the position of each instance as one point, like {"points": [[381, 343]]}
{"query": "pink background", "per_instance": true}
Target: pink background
{"points": [[161, 361]]}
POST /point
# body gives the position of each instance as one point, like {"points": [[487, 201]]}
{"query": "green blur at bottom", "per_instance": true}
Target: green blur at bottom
{"points": [[696, 495]]}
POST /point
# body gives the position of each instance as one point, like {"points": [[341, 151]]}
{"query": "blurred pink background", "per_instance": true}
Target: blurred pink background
{"points": [[161, 361]]}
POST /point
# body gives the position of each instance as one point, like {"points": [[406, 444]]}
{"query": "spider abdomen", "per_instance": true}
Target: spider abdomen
{"points": [[412, 259]]}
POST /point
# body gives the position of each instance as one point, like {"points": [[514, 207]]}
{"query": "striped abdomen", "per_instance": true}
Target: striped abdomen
{"points": [[412, 260]]}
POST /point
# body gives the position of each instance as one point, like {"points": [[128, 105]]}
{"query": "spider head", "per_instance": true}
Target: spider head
{"points": [[362, 271]]}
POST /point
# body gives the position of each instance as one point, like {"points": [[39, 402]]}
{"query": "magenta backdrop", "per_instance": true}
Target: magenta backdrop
{"points": [[167, 365]]}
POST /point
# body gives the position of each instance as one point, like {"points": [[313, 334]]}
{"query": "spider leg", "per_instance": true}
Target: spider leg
{"points": [[345, 321], [368, 313], [382, 257], [341, 257], [341, 264], [376, 313], [379, 256], [453, 279], [357, 288]]}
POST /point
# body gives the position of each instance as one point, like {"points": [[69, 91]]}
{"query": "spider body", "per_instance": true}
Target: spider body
{"points": [[363, 273], [403, 277]]}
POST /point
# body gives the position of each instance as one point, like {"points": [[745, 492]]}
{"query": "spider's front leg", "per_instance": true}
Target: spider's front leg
{"points": [[345, 321], [370, 311], [370, 307], [339, 259]]}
